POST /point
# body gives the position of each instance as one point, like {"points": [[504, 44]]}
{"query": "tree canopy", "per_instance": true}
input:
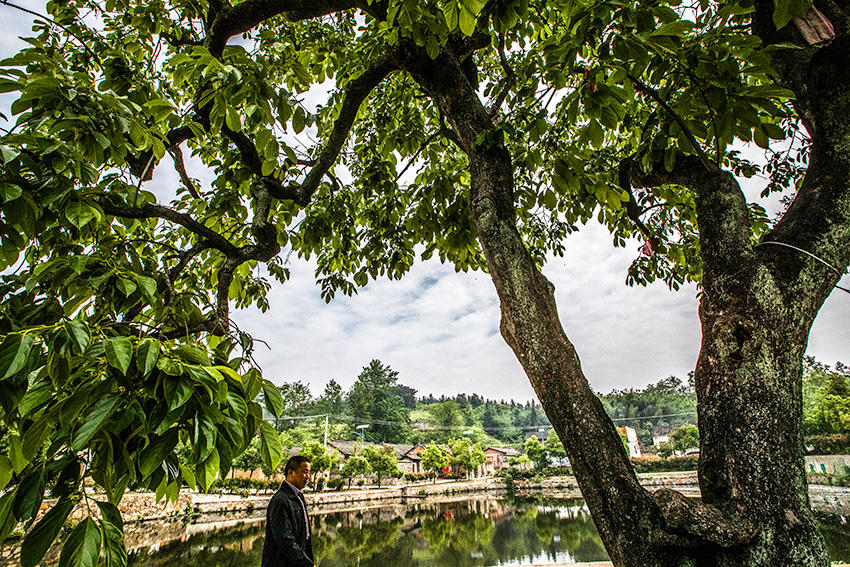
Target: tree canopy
{"points": [[478, 132]]}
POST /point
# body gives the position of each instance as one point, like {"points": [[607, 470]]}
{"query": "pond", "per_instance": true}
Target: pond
{"points": [[473, 532]]}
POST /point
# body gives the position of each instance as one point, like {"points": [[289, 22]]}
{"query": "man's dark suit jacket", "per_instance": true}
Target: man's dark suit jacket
{"points": [[286, 532]]}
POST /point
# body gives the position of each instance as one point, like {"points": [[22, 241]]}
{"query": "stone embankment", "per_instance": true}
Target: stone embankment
{"points": [[142, 506]]}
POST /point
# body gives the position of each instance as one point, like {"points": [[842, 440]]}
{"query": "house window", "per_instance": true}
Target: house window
{"points": [[812, 467], [822, 467]]}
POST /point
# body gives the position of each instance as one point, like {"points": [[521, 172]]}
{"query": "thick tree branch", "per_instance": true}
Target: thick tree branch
{"points": [[642, 87], [139, 164], [233, 20], [149, 211], [510, 79], [722, 211], [818, 221], [355, 92], [265, 233], [180, 167], [633, 210], [702, 522]]}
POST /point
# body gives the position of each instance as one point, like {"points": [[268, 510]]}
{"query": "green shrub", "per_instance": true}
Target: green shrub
{"points": [[242, 486], [828, 479], [835, 444], [418, 477], [336, 483]]}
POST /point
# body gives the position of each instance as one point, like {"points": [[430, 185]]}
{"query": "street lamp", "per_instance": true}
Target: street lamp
{"points": [[359, 430]]}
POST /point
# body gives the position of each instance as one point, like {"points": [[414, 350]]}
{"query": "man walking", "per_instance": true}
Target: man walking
{"points": [[288, 542]]}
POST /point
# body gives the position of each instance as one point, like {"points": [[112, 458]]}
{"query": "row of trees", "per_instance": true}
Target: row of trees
{"points": [[396, 415], [460, 453]]}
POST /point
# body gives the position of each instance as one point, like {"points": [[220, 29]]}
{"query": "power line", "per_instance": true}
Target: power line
{"points": [[427, 427]]}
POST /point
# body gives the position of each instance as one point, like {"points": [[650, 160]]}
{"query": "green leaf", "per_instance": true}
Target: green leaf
{"points": [[10, 192], [30, 494], [188, 476], [94, 419], [37, 395], [229, 373], [177, 391], [209, 470], [16, 455], [7, 517], [5, 473], [35, 437], [79, 334], [82, 548], [773, 131], [760, 138], [19, 347], [676, 28], [274, 401], [8, 153], [119, 352], [148, 287], [231, 118], [154, 454], [466, 21], [111, 514], [450, 13], [147, 355], [38, 540], [127, 287], [270, 447], [112, 531], [298, 119], [785, 10], [79, 213], [169, 366]]}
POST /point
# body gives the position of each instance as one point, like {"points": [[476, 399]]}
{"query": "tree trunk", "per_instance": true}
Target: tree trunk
{"points": [[749, 381], [757, 307]]}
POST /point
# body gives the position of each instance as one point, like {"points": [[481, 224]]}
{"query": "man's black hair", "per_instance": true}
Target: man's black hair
{"points": [[294, 463]]}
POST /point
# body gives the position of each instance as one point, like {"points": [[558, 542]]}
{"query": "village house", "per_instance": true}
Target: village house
{"points": [[631, 441], [661, 434], [408, 457], [497, 458]]}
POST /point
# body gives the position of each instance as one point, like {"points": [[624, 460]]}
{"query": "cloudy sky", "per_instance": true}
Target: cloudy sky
{"points": [[440, 329]]}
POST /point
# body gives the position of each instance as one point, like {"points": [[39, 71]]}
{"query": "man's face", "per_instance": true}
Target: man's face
{"points": [[299, 477]]}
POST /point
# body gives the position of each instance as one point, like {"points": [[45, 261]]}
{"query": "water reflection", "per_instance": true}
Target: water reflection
{"points": [[474, 532]]}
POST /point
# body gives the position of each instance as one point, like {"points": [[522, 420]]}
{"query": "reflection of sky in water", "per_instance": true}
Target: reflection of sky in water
{"points": [[542, 559]]}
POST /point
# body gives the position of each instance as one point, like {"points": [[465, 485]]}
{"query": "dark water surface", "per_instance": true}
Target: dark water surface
{"points": [[472, 532]]}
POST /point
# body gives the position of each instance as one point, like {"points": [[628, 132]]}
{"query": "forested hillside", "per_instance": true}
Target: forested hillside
{"points": [[397, 413]]}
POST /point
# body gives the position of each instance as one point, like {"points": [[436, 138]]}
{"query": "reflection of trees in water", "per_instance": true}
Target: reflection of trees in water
{"points": [[369, 544], [471, 533], [241, 546], [461, 540]]}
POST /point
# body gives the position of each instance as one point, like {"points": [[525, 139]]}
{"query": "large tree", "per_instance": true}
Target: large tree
{"points": [[626, 111], [372, 398]]}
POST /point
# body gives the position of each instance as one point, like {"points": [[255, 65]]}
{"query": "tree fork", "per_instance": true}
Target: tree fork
{"points": [[637, 530]]}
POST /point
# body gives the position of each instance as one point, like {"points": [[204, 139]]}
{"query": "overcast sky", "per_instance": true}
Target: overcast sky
{"points": [[440, 329]]}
